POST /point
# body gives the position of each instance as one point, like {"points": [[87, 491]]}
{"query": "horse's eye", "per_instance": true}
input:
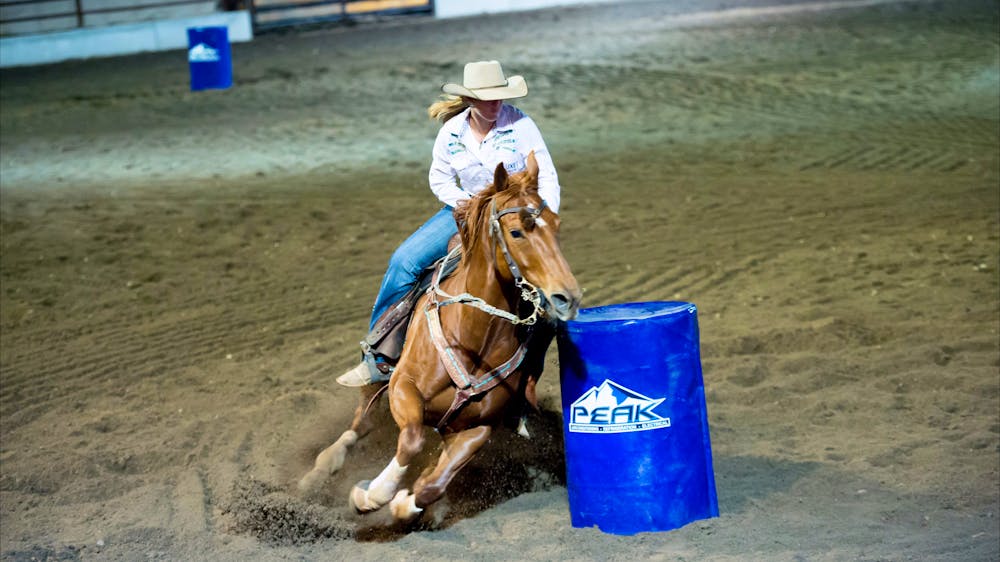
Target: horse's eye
{"points": [[516, 234]]}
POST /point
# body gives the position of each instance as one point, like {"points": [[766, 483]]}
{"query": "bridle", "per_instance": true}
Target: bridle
{"points": [[529, 292], [497, 233]]}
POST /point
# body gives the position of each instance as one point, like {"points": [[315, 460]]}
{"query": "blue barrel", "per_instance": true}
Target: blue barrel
{"points": [[209, 58], [638, 454]]}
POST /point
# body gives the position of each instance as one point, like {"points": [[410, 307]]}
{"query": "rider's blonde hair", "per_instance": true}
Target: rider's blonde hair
{"points": [[446, 108]]}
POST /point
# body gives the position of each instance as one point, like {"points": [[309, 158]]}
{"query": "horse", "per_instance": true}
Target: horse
{"points": [[463, 365]]}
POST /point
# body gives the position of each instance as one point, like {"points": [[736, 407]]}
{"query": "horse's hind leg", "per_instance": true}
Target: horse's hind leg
{"points": [[459, 449], [331, 459], [408, 409]]}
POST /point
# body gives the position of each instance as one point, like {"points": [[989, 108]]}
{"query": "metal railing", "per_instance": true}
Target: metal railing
{"points": [[70, 13], [19, 17], [267, 14]]}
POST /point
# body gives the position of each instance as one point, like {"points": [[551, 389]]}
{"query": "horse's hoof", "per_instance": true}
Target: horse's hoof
{"points": [[311, 481], [332, 458], [404, 507], [359, 499], [522, 428]]}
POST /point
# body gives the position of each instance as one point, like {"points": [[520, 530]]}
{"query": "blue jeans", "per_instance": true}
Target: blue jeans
{"points": [[425, 246]]}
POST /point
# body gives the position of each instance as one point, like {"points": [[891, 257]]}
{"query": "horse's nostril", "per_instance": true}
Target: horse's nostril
{"points": [[561, 302], [561, 306]]}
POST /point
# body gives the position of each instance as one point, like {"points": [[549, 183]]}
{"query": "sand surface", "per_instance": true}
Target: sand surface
{"points": [[183, 275]]}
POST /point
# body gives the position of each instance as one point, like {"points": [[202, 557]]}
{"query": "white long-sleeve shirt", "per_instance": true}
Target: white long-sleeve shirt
{"points": [[462, 167]]}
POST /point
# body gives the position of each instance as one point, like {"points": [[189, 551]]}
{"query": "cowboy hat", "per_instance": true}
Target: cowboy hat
{"points": [[484, 80]]}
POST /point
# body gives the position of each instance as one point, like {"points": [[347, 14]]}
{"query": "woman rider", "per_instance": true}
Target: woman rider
{"points": [[479, 132]]}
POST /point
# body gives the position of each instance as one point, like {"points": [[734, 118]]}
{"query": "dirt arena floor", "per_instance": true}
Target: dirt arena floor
{"points": [[183, 274]]}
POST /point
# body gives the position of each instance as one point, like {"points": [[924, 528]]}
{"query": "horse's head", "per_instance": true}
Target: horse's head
{"points": [[510, 221]]}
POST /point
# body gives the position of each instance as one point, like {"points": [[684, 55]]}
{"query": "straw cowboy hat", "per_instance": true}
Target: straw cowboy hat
{"points": [[484, 80]]}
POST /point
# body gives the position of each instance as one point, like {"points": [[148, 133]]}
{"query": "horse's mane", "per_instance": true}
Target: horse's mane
{"points": [[473, 215]]}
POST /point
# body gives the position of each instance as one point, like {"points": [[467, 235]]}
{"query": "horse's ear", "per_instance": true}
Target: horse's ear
{"points": [[532, 165], [500, 178]]}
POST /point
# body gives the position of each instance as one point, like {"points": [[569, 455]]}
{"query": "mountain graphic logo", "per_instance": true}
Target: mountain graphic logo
{"points": [[612, 408], [203, 53]]}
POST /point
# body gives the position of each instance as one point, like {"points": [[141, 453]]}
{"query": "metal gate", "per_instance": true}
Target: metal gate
{"points": [[267, 14], [28, 17]]}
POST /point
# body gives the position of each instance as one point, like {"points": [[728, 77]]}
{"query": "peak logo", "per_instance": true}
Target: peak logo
{"points": [[203, 53], [612, 408]]}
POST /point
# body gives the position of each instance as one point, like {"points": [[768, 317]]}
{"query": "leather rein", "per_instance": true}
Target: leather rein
{"points": [[468, 385]]}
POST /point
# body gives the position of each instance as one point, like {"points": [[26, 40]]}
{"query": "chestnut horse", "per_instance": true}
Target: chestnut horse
{"points": [[463, 362]]}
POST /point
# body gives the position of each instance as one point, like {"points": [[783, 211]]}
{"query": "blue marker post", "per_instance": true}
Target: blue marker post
{"points": [[638, 453]]}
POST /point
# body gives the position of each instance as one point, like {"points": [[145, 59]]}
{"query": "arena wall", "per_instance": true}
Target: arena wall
{"points": [[116, 39], [165, 34]]}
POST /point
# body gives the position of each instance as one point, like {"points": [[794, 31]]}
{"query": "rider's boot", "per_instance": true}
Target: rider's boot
{"points": [[358, 376], [366, 373]]}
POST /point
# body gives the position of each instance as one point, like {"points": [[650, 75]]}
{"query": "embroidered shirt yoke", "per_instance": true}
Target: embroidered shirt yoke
{"points": [[461, 167]]}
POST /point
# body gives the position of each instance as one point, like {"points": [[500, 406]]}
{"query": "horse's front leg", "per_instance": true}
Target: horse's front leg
{"points": [[459, 448], [331, 459], [408, 409]]}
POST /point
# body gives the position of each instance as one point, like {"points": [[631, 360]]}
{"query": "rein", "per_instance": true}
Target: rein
{"points": [[468, 385]]}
